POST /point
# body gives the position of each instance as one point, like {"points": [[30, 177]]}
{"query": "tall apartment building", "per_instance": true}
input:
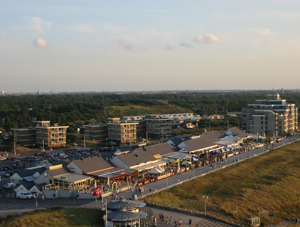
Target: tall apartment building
{"points": [[42, 135], [97, 133], [25, 136], [158, 126], [122, 132], [50, 135], [272, 116]]}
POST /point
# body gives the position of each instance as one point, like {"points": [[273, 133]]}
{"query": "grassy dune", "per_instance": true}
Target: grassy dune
{"points": [[59, 216], [266, 183], [133, 110]]}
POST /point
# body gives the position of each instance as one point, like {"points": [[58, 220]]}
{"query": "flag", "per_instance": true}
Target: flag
{"points": [[97, 191], [103, 206]]}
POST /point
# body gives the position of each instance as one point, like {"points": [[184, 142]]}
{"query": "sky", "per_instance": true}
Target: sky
{"points": [[139, 45]]}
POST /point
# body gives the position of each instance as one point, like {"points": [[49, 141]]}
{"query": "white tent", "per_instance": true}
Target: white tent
{"points": [[156, 170]]}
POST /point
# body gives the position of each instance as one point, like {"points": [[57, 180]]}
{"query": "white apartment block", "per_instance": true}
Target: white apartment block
{"points": [[271, 116]]}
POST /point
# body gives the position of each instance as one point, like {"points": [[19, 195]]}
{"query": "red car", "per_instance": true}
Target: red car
{"points": [[46, 154], [11, 157]]}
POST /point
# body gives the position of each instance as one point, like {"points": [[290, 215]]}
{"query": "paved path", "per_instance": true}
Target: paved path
{"points": [[197, 221]]}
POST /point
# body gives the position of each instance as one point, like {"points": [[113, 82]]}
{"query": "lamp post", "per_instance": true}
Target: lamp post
{"points": [[205, 197], [36, 203]]}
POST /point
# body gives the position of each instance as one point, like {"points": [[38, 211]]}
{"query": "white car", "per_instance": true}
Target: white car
{"points": [[24, 195], [9, 185]]}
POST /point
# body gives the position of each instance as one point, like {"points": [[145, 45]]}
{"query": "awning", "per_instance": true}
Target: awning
{"points": [[150, 166], [115, 173], [185, 163], [72, 177], [177, 155], [156, 171], [29, 179]]}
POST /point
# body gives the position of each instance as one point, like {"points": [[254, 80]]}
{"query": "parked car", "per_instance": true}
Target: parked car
{"points": [[16, 171], [9, 167], [10, 172], [12, 157], [3, 174], [24, 195], [9, 185], [3, 168]]}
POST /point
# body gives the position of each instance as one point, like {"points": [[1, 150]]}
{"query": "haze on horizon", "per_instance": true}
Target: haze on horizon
{"points": [[69, 46]]}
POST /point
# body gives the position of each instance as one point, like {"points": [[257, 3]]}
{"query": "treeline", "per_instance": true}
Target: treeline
{"points": [[78, 109]]}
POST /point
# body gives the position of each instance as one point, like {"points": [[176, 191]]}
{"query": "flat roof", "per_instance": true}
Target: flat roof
{"points": [[73, 177]]}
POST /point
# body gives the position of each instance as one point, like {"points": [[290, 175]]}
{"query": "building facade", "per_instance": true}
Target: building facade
{"points": [[25, 136], [97, 133], [159, 126], [42, 135], [272, 116], [122, 132]]}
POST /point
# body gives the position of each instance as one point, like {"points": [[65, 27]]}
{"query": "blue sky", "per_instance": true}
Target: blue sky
{"points": [[148, 45]]}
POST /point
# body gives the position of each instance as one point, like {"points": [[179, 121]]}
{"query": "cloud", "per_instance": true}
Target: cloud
{"points": [[186, 45], [83, 28], [169, 47], [207, 38], [40, 43], [38, 24], [125, 44]]}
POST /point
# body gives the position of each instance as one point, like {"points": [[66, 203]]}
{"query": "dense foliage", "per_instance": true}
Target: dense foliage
{"points": [[78, 109]]}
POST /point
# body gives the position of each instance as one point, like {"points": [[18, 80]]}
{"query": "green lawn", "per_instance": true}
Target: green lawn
{"points": [[56, 217], [266, 183]]}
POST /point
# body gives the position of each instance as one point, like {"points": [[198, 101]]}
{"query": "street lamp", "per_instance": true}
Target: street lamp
{"points": [[205, 197]]}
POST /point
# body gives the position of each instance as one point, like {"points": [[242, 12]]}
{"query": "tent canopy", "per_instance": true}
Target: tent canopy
{"points": [[156, 170]]}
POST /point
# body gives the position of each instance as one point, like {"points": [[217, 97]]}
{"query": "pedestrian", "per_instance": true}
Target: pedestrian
{"points": [[43, 197], [162, 217], [167, 221], [180, 222], [170, 220], [159, 216], [175, 223]]}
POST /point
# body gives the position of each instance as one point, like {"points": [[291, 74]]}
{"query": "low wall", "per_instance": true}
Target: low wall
{"points": [[51, 194]]}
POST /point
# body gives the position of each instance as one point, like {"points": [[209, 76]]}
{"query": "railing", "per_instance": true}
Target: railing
{"points": [[195, 213]]}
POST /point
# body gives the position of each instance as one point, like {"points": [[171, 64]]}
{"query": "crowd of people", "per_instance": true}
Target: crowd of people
{"points": [[170, 221]]}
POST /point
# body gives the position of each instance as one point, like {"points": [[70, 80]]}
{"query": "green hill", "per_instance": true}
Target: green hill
{"points": [[135, 110]]}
